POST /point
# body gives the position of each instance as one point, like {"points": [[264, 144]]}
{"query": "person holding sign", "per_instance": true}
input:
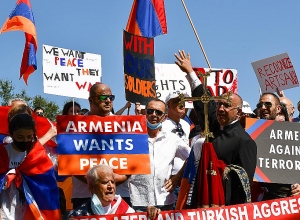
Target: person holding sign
{"points": [[101, 104], [269, 107], [231, 142], [155, 189]]}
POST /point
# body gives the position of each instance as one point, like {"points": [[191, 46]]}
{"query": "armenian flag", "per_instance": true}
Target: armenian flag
{"points": [[147, 18], [35, 176], [21, 19]]}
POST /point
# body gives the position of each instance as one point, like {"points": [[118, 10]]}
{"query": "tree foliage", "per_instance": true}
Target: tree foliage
{"points": [[7, 88]]}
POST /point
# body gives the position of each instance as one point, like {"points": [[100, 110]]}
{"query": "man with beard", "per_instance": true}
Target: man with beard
{"points": [[268, 106], [231, 142]]}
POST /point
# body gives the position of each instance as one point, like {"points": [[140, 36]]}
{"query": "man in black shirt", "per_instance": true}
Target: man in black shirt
{"points": [[231, 142]]}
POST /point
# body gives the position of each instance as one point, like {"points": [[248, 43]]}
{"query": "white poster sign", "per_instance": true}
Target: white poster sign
{"points": [[169, 78], [275, 72], [69, 72]]}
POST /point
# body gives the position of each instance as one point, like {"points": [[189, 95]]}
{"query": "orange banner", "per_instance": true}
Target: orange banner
{"points": [[80, 164]]}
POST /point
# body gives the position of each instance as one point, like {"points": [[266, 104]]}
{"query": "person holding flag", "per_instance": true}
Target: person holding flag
{"points": [[28, 188]]}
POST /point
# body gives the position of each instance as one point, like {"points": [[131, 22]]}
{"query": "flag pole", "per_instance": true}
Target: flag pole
{"points": [[194, 29]]}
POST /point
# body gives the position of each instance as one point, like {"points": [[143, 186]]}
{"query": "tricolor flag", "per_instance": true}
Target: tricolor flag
{"points": [[35, 176], [147, 18], [21, 19]]}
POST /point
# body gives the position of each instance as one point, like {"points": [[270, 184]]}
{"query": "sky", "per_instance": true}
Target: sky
{"points": [[233, 33]]}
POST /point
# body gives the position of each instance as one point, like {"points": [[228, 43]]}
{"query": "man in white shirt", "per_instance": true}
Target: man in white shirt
{"points": [[101, 103], [155, 189]]}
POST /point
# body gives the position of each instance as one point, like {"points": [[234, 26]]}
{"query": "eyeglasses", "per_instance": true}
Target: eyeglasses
{"points": [[104, 97], [157, 112], [267, 104], [226, 105]]}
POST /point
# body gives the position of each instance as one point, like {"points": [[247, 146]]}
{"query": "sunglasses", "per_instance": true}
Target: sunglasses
{"points": [[157, 112], [39, 113], [267, 104], [226, 105], [104, 97]]}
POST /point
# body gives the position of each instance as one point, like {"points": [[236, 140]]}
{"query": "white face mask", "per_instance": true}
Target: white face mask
{"points": [[154, 126], [96, 205]]}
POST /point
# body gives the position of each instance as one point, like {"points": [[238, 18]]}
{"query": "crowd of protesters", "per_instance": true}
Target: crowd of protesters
{"points": [[172, 141]]}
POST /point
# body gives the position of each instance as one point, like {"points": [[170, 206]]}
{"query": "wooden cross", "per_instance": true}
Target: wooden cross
{"points": [[205, 98]]}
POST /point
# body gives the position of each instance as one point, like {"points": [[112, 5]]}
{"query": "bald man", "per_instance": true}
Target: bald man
{"points": [[290, 107], [231, 142], [101, 100], [101, 104]]}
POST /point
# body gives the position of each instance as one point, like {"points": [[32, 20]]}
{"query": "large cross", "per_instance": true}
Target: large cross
{"points": [[205, 98]]}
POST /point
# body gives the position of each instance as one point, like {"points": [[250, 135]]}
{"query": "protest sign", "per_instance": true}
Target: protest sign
{"points": [[139, 72], [169, 78], [220, 80], [275, 72], [69, 72], [118, 141], [287, 208], [278, 150]]}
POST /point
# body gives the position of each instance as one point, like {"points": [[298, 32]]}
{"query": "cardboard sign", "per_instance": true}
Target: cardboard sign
{"points": [[220, 80], [118, 141], [69, 72], [169, 78], [275, 72], [278, 150], [139, 72], [287, 208]]}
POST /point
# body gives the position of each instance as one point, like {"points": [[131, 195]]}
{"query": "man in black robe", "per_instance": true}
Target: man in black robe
{"points": [[231, 142]]}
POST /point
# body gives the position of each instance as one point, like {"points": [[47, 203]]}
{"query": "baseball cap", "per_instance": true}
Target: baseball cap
{"points": [[173, 95], [246, 108]]}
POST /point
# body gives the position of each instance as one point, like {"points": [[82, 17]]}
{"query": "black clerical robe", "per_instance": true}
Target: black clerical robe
{"points": [[233, 145]]}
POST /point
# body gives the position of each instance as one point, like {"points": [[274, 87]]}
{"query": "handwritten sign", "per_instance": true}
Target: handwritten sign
{"points": [[278, 150], [139, 72], [275, 72], [286, 208], [69, 72], [169, 78], [220, 81], [118, 141]]}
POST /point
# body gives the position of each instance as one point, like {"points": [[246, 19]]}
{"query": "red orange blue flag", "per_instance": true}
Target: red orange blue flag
{"points": [[147, 18], [21, 19]]}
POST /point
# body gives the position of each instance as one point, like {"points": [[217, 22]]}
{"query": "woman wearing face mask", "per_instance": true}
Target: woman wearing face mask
{"points": [[28, 188]]}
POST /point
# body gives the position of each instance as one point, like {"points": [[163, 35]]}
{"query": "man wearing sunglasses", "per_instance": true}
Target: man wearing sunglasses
{"points": [[156, 189], [101, 104], [268, 106], [231, 142], [178, 126]]}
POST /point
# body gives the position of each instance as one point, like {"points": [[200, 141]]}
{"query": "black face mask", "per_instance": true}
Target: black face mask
{"points": [[22, 146]]}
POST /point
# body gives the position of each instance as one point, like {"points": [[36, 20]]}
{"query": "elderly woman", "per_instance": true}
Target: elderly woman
{"points": [[104, 201]]}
